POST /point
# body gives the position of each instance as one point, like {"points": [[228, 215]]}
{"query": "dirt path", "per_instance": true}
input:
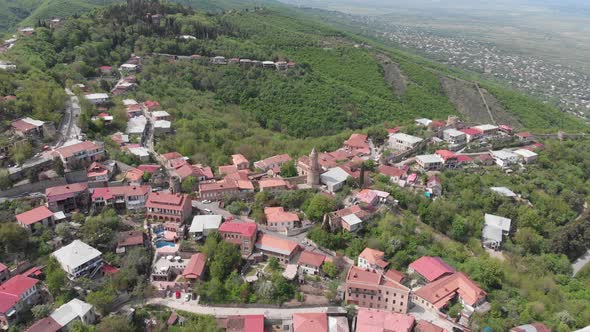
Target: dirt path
{"points": [[393, 74]]}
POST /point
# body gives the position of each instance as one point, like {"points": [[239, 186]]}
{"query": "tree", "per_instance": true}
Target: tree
{"points": [[21, 152], [226, 259], [319, 206], [64, 231], [378, 134], [58, 166], [102, 300], [273, 264], [55, 277], [330, 269], [5, 181], [99, 231], [41, 311], [288, 169], [115, 323], [189, 184], [13, 239]]}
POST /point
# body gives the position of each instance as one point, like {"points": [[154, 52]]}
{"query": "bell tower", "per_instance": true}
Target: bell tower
{"points": [[313, 174]]}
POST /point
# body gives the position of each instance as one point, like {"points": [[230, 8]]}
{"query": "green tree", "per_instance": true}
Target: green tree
{"points": [[41, 311], [273, 264], [330, 269], [114, 323], [319, 206], [189, 184], [21, 152], [378, 134], [102, 300], [5, 181], [288, 169], [58, 166], [55, 278], [13, 239]]}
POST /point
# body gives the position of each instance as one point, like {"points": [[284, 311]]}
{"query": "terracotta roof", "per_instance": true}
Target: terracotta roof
{"points": [[227, 169], [67, 190], [112, 192], [278, 214], [18, 285], [525, 134], [33, 216], [131, 238], [445, 154], [471, 131], [70, 150], [316, 322], [374, 257], [395, 275], [171, 155], [485, 156], [394, 130], [372, 320], [195, 267], [149, 104], [134, 175], [247, 229], [249, 323], [464, 159], [239, 159], [431, 268], [369, 279], [47, 324], [357, 141], [245, 185], [241, 175], [276, 244], [227, 184], [148, 168], [185, 171], [425, 326], [437, 123], [311, 259], [268, 162], [272, 183], [22, 126], [533, 327], [166, 200], [441, 291], [392, 171]]}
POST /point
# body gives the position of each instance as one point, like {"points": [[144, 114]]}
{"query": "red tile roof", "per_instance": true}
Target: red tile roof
{"points": [[111, 192], [369, 279], [7, 301], [425, 326], [134, 175], [195, 267], [374, 257], [249, 323], [392, 171], [151, 104], [445, 154], [131, 238], [278, 215], [274, 243], [148, 168], [22, 126], [33, 216], [227, 169], [247, 229], [357, 141], [47, 324], [441, 291], [166, 200], [394, 130], [241, 175], [272, 183], [65, 191], [533, 327], [383, 321], [18, 285], [70, 150], [171, 155], [311, 259], [464, 159], [239, 159], [268, 162], [316, 322], [431, 268], [395, 275], [471, 131]]}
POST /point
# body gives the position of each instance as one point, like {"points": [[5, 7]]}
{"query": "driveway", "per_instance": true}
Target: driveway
{"points": [[214, 207], [269, 313], [421, 314]]}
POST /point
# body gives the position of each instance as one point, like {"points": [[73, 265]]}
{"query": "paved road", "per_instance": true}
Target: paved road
{"points": [[69, 129], [270, 313], [215, 209]]}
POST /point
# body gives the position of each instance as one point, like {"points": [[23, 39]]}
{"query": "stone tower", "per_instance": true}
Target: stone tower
{"points": [[313, 174], [174, 184]]}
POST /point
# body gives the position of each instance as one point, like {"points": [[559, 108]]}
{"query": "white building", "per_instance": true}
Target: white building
{"points": [[334, 178], [352, 222], [129, 67], [403, 142], [454, 136], [142, 153], [136, 126], [504, 191], [202, 225], [162, 127], [97, 98], [78, 259], [423, 122], [504, 158], [430, 162], [75, 310], [527, 156], [487, 129], [494, 230]]}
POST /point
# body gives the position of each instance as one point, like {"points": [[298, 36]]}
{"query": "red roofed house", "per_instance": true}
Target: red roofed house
{"points": [[277, 219], [532, 327], [311, 262], [16, 295], [28, 127], [308, 322], [151, 105], [472, 133], [124, 197], [226, 187], [200, 173], [97, 172], [449, 289], [357, 143], [4, 273], [134, 177], [105, 70], [524, 136], [241, 233], [374, 290], [68, 198], [425, 326], [449, 157], [372, 260], [383, 321], [129, 240], [39, 215], [240, 161], [227, 169], [371, 197], [46, 324], [349, 218], [272, 162], [83, 152], [273, 185], [168, 207], [430, 268], [394, 173], [195, 267], [249, 323], [280, 248]]}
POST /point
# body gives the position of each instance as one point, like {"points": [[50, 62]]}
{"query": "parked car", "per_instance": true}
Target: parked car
{"points": [[187, 297]]}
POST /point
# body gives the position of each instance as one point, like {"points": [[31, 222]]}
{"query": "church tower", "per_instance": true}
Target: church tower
{"points": [[313, 174]]}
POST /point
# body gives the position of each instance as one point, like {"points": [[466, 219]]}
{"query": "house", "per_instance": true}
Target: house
{"points": [[136, 126], [504, 158], [273, 162], [350, 218], [80, 153], [334, 178], [219, 190], [248, 323], [129, 67], [442, 293], [97, 172], [503, 191], [383, 321], [195, 268], [39, 216], [351, 222], [451, 160], [358, 145], [282, 249], [134, 177], [527, 156], [524, 137], [273, 185], [75, 310], [368, 289], [68, 198], [134, 110], [46, 324], [105, 70], [430, 268], [187, 170], [371, 197], [423, 122], [277, 219], [532, 327], [430, 162], [168, 207], [143, 154], [311, 262], [487, 129], [129, 198], [426, 326], [78, 259], [307, 322], [434, 186], [485, 159], [240, 161], [202, 225], [17, 294], [494, 230], [162, 127], [472, 134], [395, 174], [242, 234], [403, 142], [120, 138], [27, 127], [97, 98], [160, 116], [130, 239], [372, 260], [219, 60], [4, 273], [227, 169], [506, 129]]}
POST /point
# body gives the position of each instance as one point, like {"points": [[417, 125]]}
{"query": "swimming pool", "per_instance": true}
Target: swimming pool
{"points": [[160, 244]]}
